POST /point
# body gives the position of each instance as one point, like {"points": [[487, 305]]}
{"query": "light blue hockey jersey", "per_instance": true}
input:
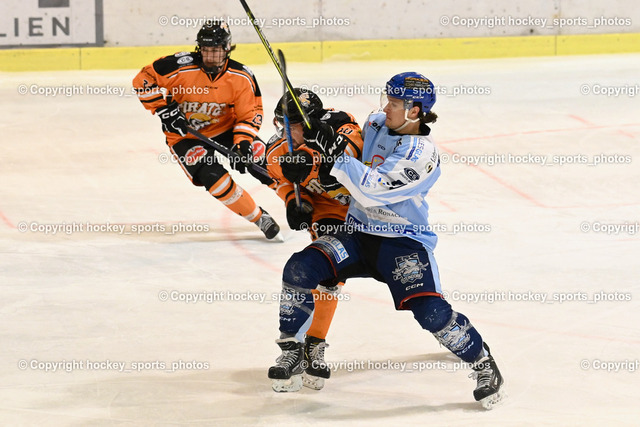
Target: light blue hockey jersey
{"points": [[388, 187]]}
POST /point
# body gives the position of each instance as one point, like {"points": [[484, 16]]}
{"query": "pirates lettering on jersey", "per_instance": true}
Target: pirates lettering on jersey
{"points": [[209, 108], [201, 114]]}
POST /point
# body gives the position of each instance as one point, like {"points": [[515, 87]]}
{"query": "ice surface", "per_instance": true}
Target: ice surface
{"points": [[96, 296]]}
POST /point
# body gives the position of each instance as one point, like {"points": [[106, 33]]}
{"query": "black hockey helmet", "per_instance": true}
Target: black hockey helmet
{"points": [[309, 101], [214, 33]]}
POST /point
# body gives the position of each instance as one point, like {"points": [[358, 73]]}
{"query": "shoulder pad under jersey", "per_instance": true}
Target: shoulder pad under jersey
{"points": [[171, 63]]}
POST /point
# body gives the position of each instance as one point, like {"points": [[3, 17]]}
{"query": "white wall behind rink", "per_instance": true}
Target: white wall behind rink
{"points": [[145, 23]]}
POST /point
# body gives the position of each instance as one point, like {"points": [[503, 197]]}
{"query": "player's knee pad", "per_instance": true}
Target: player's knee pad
{"points": [[306, 269], [431, 312], [460, 337], [208, 175]]}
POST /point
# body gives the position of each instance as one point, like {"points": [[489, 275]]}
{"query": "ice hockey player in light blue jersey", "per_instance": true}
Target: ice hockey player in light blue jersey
{"points": [[389, 186], [386, 236]]}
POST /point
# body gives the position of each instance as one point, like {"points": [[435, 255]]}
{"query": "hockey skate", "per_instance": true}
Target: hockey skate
{"points": [[267, 225], [317, 370], [489, 390], [286, 375]]}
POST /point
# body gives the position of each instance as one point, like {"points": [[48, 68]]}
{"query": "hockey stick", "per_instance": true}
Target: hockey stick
{"points": [[279, 66], [233, 156], [287, 127]]}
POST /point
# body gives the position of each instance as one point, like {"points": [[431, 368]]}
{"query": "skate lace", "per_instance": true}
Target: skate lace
{"points": [[288, 358], [317, 351], [265, 221], [483, 374]]}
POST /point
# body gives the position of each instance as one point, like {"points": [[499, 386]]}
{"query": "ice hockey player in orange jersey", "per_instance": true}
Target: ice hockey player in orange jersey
{"points": [[220, 97], [324, 202]]}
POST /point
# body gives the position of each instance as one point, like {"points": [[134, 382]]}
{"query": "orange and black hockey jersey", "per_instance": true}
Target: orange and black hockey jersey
{"points": [[231, 100], [328, 197]]}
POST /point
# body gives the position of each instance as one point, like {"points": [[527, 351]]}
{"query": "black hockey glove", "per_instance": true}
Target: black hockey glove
{"points": [[299, 219], [296, 166], [323, 138], [244, 156], [173, 120]]}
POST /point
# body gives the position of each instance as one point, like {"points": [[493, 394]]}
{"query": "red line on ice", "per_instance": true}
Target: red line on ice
{"points": [[6, 220], [505, 184]]}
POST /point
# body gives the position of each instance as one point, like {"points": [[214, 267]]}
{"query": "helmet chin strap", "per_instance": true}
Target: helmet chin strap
{"points": [[215, 69], [212, 70], [407, 121]]}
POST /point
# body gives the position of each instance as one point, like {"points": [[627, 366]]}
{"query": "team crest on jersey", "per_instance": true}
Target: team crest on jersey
{"points": [[409, 268], [376, 161], [198, 121]]}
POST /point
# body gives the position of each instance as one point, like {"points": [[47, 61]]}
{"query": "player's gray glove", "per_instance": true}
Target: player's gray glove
{"points": [[173, 120]]}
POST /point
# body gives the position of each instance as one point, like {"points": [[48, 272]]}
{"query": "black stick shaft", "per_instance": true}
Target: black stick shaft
{"points": [[233, 156], [282, 73]]}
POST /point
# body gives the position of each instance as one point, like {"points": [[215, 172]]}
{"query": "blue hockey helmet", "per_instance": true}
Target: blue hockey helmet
{"points": [[412, 87]]}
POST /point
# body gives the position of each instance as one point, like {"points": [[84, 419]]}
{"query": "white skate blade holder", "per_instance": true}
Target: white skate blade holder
{"points": [[312, 382], [490, 401], [290, 385], [279, 238]]}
